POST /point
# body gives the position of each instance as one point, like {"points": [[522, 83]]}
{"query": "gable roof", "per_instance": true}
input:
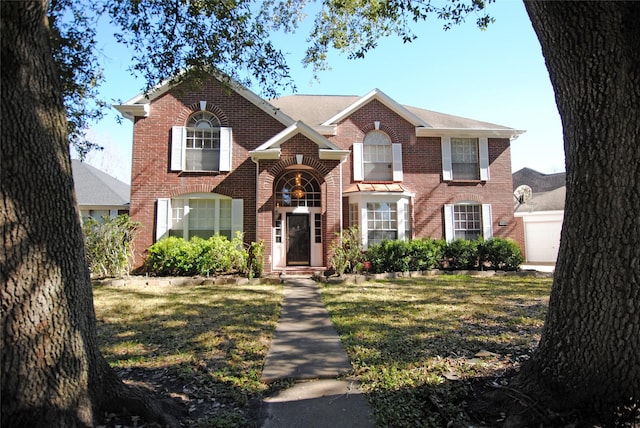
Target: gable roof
{"points": [[323, 112], [552, 200], [97, 188], [538, 181], [271, 148], [548, 190], [140, 105]]}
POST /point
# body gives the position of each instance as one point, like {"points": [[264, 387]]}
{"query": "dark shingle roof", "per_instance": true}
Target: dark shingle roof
{"points": [[97, 188], [549, 190], [316, 109], [552, 200], [538, 181]]}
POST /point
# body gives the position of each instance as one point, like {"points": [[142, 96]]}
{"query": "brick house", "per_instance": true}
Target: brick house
{"points": [[295, 171]]}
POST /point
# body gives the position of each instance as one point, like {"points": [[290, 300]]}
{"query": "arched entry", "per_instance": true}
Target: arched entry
{"points": [[297, 233]]}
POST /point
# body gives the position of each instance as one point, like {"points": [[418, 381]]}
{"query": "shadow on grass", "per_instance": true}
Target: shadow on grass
{"points": [[202, 345], [420, 346]]}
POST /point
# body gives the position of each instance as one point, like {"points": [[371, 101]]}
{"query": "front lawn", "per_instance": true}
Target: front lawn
{"points": [[201, 344], [423, 348]]}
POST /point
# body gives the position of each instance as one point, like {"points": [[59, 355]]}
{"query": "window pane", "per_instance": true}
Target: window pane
{"points": [[467, 222], [464, 159], [202, 151], [381, 221], [225, 218], [377, 157]]}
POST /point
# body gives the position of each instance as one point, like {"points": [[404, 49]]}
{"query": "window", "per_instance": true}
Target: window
{"points": [[377, 159], [354, 215], [297, 189], [202, 145], [278, 229], [467, 221], [317, 224], [465, 159], [381, 222], [202, 215], [202, 148]]}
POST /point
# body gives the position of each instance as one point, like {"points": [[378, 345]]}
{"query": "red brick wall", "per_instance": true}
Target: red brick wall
{"points": [[422, 173], [151, 178], [422, 168]]}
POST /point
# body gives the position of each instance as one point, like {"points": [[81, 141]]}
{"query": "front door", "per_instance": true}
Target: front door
{"points": [[298, 240]]}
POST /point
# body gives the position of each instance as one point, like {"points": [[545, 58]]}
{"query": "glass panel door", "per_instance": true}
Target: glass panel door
{"points": [[298, 240]]}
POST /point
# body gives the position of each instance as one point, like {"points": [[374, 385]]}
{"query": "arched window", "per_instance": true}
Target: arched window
{"points": [[297, 189], [377, 157], [202, 151]]}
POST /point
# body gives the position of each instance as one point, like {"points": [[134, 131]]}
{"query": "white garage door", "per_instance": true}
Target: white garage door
{"points": [[542, 240]]}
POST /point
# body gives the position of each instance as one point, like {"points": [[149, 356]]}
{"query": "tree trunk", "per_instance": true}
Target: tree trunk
{"points": [[52, 371], [589, 354]]}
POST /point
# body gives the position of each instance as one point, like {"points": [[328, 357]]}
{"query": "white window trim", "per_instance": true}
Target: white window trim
{"points": [[178, 147], [487, 221], [164, 214], [483, 158], [402, 204], [396, 161]]}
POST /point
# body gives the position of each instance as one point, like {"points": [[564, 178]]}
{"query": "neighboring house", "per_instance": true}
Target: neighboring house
{"points": [[542, 215], [295, 171], [98, 193]]}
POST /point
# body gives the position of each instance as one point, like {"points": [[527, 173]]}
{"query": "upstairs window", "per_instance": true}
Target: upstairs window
{"points": [[202, 145], [377, 159], [202, 148], [465, 159]]}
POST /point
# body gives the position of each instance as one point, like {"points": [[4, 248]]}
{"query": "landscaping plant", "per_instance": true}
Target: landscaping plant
{"points": [[109, 244]]}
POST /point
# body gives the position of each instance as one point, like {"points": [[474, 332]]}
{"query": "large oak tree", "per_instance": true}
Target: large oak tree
{"points": [[52, 371]]}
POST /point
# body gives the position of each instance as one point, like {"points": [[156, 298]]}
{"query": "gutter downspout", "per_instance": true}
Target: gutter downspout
{"points": [[341, 208], [257, 162]]}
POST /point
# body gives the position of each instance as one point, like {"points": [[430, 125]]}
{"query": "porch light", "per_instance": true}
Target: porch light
{"points": [[298, 191]]}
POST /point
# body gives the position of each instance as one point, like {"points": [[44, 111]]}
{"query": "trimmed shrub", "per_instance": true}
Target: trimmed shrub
{"points": [[501, 254], [402, 256], [461, 254], [109, 245], [177, 257], [172, 256]]}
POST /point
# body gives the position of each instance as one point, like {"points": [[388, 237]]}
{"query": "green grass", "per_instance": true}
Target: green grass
{"points": [[204, 344], [413, 342]]}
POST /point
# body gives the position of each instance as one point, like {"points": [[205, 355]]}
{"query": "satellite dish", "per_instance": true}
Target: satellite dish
{"points": [[522, 194]]}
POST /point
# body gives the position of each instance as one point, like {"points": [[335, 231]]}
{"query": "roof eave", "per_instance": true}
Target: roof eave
{"points": [[268, 154], [332, 154], [471, 132], [131, 111]]}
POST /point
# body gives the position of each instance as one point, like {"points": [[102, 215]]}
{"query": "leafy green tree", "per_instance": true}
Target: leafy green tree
{"points": [[52, 371], [588, 359]]}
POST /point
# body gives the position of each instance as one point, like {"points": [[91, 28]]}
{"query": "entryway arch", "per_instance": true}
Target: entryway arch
{"points": [[297, 229]]}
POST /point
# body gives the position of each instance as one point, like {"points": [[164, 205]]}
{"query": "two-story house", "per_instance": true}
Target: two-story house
{"points": [[295, 171]]}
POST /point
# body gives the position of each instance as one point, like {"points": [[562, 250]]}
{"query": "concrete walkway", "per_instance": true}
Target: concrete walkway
{"points": [[307, 349]]}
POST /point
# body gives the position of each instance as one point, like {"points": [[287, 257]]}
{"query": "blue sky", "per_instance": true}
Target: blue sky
{"points": [[497, 75]]}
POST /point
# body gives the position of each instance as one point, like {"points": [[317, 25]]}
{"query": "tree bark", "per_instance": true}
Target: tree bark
{"points": [[589, 354], [52, 371]]}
